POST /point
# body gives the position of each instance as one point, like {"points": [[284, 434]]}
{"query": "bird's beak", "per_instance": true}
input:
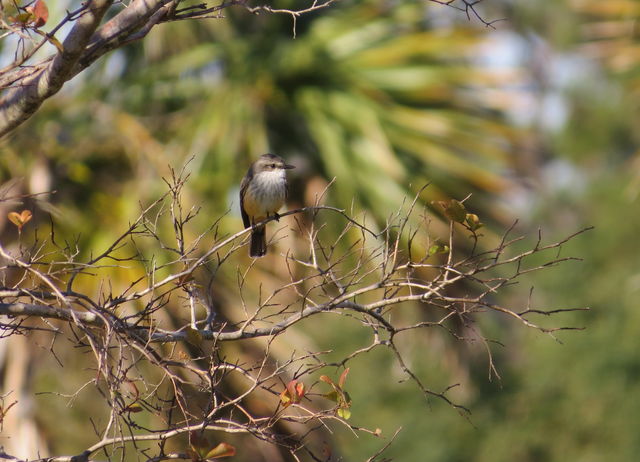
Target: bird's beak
{"points": [[288, 167]]}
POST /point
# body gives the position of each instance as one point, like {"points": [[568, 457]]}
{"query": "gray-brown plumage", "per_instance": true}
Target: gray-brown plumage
{"points": [[262, 193]]}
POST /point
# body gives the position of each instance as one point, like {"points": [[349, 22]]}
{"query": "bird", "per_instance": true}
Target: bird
{"points": [[262, 193]]}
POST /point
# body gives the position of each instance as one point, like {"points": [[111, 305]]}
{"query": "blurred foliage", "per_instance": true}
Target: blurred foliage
{"points": [[368, 93], [383, 96], [575, 400]]}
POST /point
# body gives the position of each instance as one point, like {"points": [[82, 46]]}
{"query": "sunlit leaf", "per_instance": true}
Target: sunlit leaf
{"points": [[20, 219], [293, 393], [473, 221], [5, 409], [344, 413], [438, 248], [134, 407]]}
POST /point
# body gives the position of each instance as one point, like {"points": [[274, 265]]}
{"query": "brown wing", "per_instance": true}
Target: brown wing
{"points": [[243, 190]]}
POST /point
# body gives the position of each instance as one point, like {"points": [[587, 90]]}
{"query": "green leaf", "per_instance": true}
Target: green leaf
{"points": [[473, 222], [454, 210], [438, 248], [344, 413], [332, 395], [22, 18]]}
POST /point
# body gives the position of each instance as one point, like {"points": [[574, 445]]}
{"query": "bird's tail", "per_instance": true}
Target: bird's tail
{"points": [[258, 242]]}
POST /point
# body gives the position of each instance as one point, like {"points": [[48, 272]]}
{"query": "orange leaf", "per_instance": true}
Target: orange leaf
{"points": [[293, 393], [343, 377], [19, 219], [40, 13], [14, 218], [285, 397]]}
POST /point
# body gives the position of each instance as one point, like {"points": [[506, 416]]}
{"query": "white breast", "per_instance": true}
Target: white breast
{"points": [[269, 188]]}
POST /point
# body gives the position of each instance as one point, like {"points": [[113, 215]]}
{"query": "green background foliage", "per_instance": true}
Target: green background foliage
{"points": [[537, 119]]}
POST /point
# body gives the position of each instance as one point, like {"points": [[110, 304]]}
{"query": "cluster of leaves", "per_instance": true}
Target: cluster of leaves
{"points": [[295, 391], [339, 394], [456, 212], [292, 393], [32, 15]]}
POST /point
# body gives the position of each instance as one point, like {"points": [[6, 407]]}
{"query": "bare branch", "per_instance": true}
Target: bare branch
{"points": [[153, 351]]}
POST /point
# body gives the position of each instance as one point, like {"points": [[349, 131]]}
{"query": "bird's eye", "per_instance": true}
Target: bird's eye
{"points": [[273, 165]]}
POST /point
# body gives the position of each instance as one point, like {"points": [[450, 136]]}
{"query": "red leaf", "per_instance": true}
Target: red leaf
{"points": [[343, 377], [293, 393]]}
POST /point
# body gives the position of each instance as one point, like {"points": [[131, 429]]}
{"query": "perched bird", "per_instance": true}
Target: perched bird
{"points": [[262, 192]]}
